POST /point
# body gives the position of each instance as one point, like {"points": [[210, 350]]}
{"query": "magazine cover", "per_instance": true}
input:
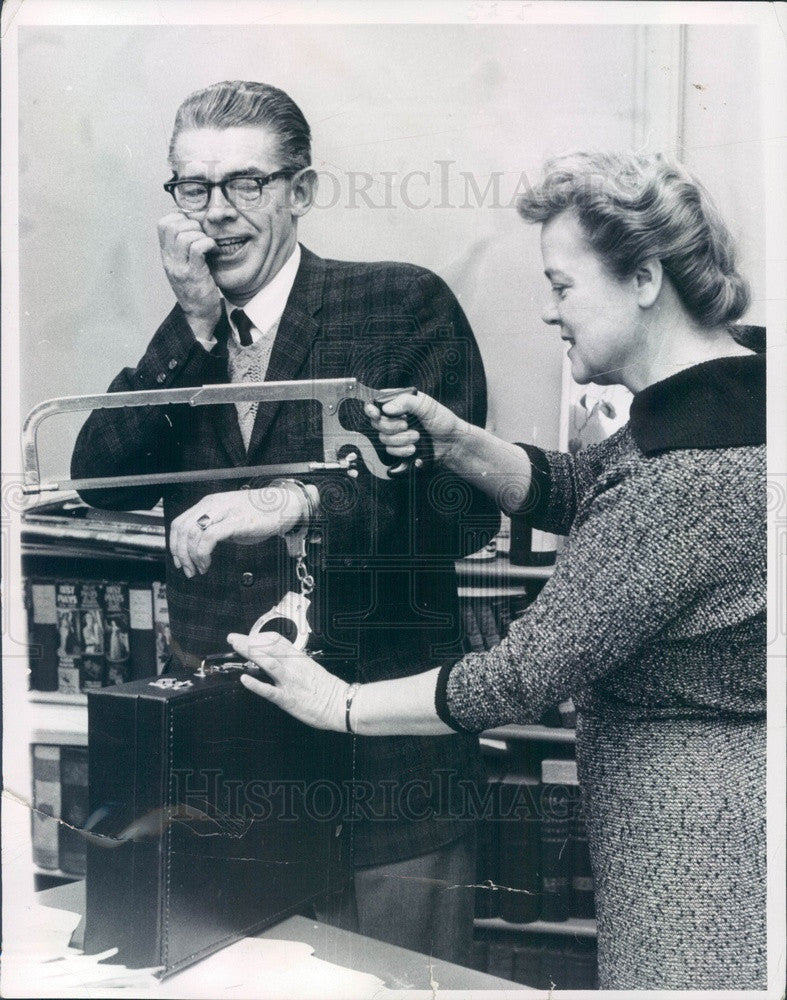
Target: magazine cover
{"points": [[161, 624], [117, 643], [91, 618], [69, 631]]}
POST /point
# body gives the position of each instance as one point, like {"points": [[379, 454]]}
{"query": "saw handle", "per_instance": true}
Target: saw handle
{"points": [[423, 449]]}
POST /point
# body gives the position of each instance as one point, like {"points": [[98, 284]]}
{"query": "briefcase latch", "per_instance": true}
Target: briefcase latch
{"points": [[170, 684], [220, 664]]}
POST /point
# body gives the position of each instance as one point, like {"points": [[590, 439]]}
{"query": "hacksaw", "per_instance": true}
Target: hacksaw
{"points": [[329, 392]]}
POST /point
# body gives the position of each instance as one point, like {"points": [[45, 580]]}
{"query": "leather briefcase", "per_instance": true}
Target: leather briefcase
{"points": [[213, 815]]}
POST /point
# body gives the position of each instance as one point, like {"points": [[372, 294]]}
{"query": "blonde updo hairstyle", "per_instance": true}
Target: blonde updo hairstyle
{"points": [[634, 207]]}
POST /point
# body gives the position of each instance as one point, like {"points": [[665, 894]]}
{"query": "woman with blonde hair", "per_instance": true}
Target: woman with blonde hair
{"points": [[654, 619]]}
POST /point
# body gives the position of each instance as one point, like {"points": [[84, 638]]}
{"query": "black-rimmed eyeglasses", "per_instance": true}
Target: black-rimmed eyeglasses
{"points": [[241, 192]]}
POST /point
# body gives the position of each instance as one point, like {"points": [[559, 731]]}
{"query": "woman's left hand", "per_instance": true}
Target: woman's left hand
{"points": [[299, 685]]}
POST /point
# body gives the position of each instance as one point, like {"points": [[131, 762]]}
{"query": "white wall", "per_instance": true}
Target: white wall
{"points": [[96, 109], [723, 138]]}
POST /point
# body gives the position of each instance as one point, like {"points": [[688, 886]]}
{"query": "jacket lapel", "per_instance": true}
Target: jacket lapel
{"points": [[292, 346]]}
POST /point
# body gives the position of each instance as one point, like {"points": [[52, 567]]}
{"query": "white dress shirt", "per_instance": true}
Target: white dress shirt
{"points": [[265, 311], [266, 308]]}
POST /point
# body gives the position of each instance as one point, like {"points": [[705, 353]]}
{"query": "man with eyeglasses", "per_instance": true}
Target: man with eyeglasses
{"points": [[254, 305]]}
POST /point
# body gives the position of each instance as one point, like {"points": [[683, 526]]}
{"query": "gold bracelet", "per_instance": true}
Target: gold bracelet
{"points": [[352, 691]]}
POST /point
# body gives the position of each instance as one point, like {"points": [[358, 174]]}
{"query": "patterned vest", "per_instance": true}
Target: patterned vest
{"points": [[249, 364]]}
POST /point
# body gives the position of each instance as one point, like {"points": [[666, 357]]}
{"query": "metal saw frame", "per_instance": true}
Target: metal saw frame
{"points": [[330, 393]]}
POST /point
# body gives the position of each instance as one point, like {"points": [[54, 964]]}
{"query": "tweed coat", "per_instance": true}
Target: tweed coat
{"points": [[385, 604], [654, 621]]}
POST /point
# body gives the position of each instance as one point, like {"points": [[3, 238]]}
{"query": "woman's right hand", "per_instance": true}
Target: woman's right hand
{"points": [[497, 468], [399, 439]]}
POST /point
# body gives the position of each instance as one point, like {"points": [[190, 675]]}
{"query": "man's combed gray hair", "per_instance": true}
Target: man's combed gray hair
{"points": [[633, 207], [242, 102]]}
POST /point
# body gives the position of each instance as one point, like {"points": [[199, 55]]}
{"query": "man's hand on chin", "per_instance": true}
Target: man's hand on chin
{"points": [[183, 248], [245, 517]]}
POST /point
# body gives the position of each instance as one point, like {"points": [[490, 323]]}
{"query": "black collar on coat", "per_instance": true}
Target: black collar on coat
{"points": [[716, 404]]}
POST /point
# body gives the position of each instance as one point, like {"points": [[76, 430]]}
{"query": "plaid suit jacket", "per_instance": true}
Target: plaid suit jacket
{"points": [[385, 604]]}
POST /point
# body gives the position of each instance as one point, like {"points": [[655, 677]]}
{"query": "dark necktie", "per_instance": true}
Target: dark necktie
{"points": [[243, 325]]}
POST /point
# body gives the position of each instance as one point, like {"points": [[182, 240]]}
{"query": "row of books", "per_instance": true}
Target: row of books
{"points": [[87, 634], [60, 807], [484, 621], [533, 859], [541, 961]]}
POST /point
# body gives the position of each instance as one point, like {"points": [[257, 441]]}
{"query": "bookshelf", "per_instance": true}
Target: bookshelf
{"points": [[49, 541], [498, 568], [61, 723], [57, 698], [516, 940], [109, 561], [553, 734], [573, 927], [105, 564], [528, 843]]}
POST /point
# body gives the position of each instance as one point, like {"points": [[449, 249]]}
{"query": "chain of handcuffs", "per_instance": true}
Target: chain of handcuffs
{"points": [[296, 549], [293, 606]]}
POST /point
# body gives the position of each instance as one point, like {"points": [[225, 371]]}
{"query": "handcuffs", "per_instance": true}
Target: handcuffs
{"points": [[330, 393], [293, 607]]}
